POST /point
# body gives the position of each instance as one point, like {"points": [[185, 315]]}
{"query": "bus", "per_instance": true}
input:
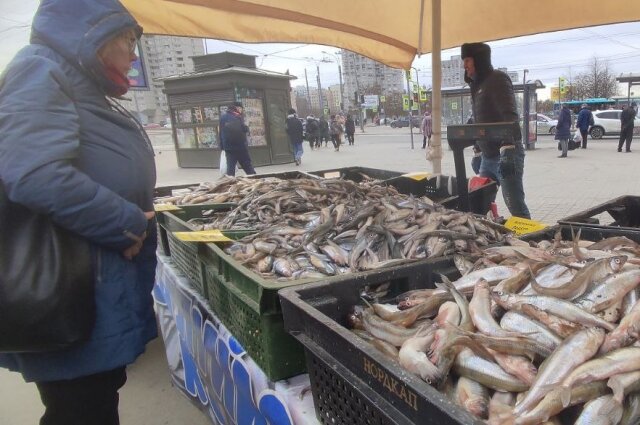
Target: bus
{"points": [[595, 104]]}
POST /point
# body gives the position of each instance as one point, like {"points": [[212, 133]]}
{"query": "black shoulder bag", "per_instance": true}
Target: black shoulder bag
{"points": [[46, 282]]}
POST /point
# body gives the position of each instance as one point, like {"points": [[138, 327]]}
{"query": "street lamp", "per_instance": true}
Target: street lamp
{"points": [[340, 76]]}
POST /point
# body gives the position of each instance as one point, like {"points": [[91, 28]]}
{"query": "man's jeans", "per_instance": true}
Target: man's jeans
{"points": [[508, 169], [297, 151]]}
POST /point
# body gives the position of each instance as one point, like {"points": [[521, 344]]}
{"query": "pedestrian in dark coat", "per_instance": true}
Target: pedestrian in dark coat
{"points": [[350, 129], [563, 130], [324, 132], [312, 131], [426, 128], [233, 135], [627, 118], [69, 150], [493, 101], [296, 137], [585, 120]]}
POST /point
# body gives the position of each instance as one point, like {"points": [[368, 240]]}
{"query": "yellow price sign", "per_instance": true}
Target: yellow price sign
{"points": [[213, 235], [417, 175], [522, 226], [165, 207]]}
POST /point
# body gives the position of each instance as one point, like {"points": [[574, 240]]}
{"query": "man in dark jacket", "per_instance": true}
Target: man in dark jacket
{"points": [[563, 130], [626, 131], [233, 135], [324, 131], [294, 130], [350, 129], [494, 101], [585, 120]]}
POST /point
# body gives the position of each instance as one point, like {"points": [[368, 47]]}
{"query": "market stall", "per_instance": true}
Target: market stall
{"points": [[198, 100]]}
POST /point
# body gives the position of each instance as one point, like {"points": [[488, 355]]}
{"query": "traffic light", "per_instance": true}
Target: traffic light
{"points": [[361, 98]]}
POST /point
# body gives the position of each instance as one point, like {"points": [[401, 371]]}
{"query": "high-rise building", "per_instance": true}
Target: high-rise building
{"points": [[334, 98], [452, 72], [367, 76], [515, 76], [162, 56]]}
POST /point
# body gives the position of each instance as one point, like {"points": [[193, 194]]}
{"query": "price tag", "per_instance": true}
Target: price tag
{"points": [[522, 226], [214, 235], [165, 207], [417, 175]]}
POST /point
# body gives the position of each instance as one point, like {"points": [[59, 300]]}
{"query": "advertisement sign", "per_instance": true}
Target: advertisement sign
{"points": [[212, 369], [137, 75], [370, 101], [405, 102]]}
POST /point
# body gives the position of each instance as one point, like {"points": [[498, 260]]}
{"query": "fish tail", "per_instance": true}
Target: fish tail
{"points": [[565, 395]]}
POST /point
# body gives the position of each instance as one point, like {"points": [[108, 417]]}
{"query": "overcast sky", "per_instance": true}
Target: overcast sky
{"points": [[546, 56]]}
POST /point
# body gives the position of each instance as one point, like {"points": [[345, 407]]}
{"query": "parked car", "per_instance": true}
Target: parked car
{"points": [[545, 124], [404, 122], [607, 123]]}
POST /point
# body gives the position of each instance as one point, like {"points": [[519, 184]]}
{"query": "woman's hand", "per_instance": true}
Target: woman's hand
{"points": [[134, 249]]}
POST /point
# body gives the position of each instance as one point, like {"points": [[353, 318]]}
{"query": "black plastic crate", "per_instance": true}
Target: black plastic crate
{"points": [[587, 233], [346, 372], [167, 190], [624, 212], [356, 174], [285, 175]]}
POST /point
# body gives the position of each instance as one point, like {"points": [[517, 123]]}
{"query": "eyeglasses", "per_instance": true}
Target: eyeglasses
{"points": [[132, 43]]}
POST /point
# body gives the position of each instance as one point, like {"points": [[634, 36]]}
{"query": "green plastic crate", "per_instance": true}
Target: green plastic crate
{"points": [[185, 254], [249, 307]]}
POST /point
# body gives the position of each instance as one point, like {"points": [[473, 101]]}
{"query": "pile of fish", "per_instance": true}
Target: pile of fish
{"points": [[372, 230], [545, 333], [225, 190]]}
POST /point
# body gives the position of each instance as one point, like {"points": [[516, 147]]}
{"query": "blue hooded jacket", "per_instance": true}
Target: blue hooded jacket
{"points": [[67, 151]]}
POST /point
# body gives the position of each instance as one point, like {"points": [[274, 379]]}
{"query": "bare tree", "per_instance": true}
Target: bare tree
{"points": [[597, 81]]}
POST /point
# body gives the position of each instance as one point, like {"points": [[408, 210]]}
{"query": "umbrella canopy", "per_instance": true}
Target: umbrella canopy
{"points": [[391, 32]]}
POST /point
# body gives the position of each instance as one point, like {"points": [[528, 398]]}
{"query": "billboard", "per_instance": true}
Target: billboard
{"points": [[137, 75]]}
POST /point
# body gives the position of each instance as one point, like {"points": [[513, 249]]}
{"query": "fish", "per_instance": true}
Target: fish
{"points": [[623, 384], [486, 373], [573, 351], [515, 322], [473, 397], [603, 367], [626, 333], [603, 410], [591, 273], [558, 307], [609, 292]]}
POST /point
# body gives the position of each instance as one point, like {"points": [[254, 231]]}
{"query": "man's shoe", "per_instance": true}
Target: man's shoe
{"points": [[562, 156], [627, 151], [619, 150]]}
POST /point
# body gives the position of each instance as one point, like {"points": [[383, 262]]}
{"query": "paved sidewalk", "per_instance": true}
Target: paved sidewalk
{"points": [[554, 189]]}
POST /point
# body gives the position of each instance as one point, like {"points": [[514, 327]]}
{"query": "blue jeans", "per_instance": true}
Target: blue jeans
{"points": [[297, 151], [507, 169]]}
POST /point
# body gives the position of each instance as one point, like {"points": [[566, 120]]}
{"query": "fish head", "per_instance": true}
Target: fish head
{"points": [[617, 262]]}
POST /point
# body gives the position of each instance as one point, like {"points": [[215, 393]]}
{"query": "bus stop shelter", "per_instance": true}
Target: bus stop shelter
{"points": [[456, 108], [631, 80]]}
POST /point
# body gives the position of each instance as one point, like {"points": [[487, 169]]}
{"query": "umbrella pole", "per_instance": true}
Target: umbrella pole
{"points": [[435, 151]]}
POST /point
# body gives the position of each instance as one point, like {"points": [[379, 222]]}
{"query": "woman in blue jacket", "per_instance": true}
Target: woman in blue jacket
{"points": [[68, 149]]}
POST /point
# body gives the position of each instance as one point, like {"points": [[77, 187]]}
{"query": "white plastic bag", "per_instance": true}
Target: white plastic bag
{"points": [[577, 137], [223, 163]]}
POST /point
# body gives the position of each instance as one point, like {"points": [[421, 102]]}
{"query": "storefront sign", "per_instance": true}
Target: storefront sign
{"points": [[211, 367]]}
